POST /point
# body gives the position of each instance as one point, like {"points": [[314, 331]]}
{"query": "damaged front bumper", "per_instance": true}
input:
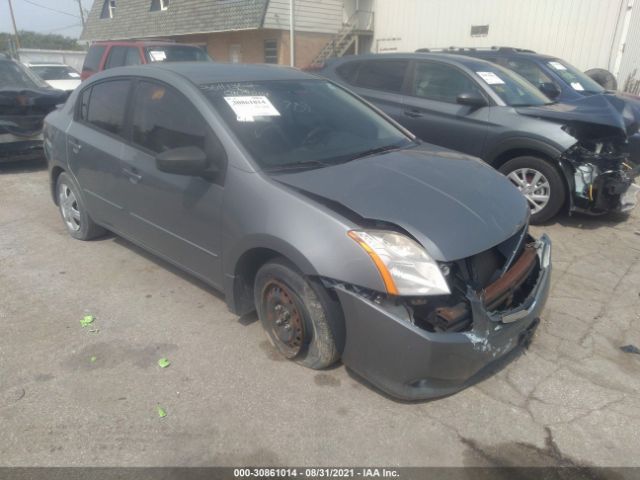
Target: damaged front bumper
{"points": [[411, 363], [601, 182]]}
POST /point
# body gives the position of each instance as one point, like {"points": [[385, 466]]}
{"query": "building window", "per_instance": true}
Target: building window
{"points": [[108, 9], [270, 51], [159, 5], [479, 30]]}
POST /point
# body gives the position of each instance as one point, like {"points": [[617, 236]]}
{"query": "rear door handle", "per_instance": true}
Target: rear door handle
{"points": [[76, 146], [134, 177], [413, 113]]}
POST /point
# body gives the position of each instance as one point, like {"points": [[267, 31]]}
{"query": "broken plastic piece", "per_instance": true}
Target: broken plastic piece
{"points": [[87, 320], [164, 362], [630, 349], [161, 412]]}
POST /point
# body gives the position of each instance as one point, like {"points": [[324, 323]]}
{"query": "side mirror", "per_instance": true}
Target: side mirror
{"points": [[184, 161], [472, 99], [549, 89]]}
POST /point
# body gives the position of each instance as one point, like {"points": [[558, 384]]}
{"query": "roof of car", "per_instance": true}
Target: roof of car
{"points": [[469, 62], [142, 43], [492, 52], [203, 73]]}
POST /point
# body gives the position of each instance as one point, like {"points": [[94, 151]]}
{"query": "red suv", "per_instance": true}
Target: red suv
{"points": [[104, 55]]}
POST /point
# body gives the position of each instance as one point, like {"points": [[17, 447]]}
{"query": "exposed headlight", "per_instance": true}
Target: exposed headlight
{"points": [[406, 268]]}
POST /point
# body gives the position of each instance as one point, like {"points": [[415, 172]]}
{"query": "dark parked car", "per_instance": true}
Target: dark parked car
{"points": [[556, 154], [557, 79], [104, 55], [25, 100], [297, 199]]}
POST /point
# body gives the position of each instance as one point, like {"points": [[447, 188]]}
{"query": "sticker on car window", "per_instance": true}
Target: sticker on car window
{"points": [[557, 66], [247, 108], [158, 55], [491, 78], [577, 86]]}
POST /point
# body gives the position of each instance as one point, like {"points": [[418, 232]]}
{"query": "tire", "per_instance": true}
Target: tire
{"points": [[315, 336], [603, 77], [521, 171], [74, 214]]}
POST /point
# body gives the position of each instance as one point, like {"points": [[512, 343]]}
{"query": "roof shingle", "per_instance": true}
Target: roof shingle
{"points": [[133, 18]]}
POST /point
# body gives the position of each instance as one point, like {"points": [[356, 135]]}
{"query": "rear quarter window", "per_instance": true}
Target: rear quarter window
{"points": [[385, 75], [348, 71], [92, 60]]}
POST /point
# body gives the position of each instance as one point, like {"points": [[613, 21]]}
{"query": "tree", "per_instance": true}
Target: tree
{"points": [[47, 41]]}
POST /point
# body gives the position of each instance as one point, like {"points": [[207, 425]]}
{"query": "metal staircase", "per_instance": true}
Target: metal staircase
{"points": [[339, 44]]}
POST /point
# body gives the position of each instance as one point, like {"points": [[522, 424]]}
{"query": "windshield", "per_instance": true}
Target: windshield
{"points": [[302, 123], [514, 90], [574, 78], [55, 72], [176, 53], [14, 75]]}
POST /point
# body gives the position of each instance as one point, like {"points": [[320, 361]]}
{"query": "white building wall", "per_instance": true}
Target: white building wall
{"points": [[323, 16], [629, 74], [583, 32]]}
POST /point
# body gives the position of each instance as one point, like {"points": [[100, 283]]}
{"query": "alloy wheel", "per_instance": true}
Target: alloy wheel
{"points": [[534, 186], [69, 207]]}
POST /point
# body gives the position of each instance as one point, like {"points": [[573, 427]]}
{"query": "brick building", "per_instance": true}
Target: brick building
{"points": [[244, 31]]}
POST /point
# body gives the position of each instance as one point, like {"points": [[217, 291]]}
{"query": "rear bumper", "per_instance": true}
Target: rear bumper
{"points": [[410, 363]]}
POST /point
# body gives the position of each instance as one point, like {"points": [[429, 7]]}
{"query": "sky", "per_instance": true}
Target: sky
{"points": [[39, 16]]}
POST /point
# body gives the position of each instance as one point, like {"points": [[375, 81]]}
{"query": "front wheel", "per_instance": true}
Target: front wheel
{"points": [[303, 322], [540, 183]]}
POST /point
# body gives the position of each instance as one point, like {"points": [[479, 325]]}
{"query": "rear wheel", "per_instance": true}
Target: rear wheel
{"points": [[302, 321], [78, 222], [540, 183]]}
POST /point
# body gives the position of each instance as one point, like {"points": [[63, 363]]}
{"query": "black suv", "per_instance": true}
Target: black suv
{"points": [[556, 154]]}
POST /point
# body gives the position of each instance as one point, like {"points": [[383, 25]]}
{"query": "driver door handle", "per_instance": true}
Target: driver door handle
{"points": [[134, 177], [413, 113]]}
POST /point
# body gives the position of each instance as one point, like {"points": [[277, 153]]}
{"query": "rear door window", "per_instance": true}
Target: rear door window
{"points": [[348, 71], [107, 104], [93, 58], [384, 75], [116, 57], [444, 83]]}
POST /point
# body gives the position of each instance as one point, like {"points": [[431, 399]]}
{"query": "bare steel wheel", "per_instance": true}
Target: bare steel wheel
{"points": [[534, 186], [283, 318], [541, 184], [69, 207], [76, 218], [299, 315]]}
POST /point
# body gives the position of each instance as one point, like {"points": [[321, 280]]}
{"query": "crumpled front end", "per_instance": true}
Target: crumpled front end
{"points": [[428, 347], [22, 114], [603, 178]]}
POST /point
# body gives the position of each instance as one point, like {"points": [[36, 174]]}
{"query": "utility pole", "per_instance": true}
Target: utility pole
{"points": [[292, 32], [81, 12], [15, 29]]}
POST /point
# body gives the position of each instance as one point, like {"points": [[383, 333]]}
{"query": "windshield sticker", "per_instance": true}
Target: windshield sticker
{"points": [[491, 78], [577, 86], [158, 55], [557, 66], [248, 107], [74, 74]]}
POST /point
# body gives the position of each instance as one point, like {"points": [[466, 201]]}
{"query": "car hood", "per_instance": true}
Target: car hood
{"points": [[454, 205], [593, 116]]}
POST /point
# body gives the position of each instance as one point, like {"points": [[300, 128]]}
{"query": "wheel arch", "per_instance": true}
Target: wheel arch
{"points": [[242, 269], [55, 173]]}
